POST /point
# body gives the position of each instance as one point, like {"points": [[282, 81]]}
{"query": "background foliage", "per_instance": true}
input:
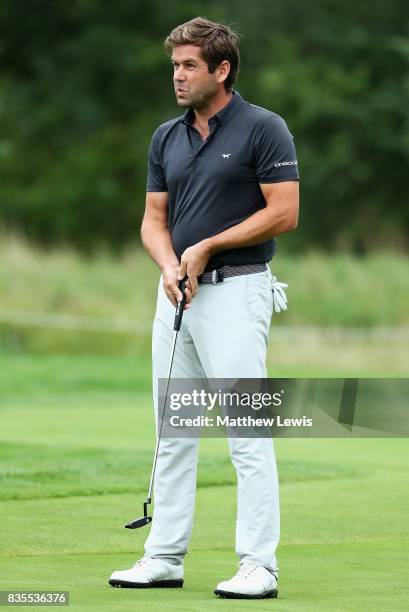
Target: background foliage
{"points": [[84, 83]]}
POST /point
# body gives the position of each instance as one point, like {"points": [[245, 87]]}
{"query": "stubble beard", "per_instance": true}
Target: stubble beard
{"points": [[198, 100]]}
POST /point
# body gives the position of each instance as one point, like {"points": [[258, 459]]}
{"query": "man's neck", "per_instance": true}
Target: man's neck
{"points": [[220, 101]]}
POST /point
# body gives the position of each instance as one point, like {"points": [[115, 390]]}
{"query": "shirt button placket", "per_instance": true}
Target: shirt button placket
{"points": [[198, 151]]}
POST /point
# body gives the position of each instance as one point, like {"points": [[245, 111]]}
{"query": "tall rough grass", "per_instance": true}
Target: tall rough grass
{"points": [[339, 290]]}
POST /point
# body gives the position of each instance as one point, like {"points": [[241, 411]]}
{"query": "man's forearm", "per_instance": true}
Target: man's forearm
{"points": [[259, 227], [157, 242]]}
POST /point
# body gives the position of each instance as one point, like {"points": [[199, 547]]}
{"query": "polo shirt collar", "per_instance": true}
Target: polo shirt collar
{"points": [[223, 114]]}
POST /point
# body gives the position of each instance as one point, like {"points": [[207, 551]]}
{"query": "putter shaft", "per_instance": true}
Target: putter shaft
{"points": [[146, 519]]}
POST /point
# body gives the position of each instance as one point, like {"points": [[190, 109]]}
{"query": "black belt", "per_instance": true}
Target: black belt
{"points": [[217, 276]]}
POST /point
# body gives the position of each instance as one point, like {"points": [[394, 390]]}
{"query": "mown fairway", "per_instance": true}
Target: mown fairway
{"points": [[77, 438], [77, 442]]}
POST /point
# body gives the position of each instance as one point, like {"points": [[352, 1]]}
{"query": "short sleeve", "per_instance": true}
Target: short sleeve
{"points": [[275, 157], [156, 178]]}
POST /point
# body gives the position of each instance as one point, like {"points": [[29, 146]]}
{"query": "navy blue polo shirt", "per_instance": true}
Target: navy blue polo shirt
{"points": [[215, 184]]}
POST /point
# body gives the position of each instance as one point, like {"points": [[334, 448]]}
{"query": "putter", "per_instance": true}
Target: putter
{"points": [[146, 519]]}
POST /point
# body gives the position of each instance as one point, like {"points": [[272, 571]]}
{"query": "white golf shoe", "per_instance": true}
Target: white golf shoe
{"points": [[149, 573], [252, 581]]}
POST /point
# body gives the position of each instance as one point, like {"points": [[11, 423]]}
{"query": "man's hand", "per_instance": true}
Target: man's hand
{"points": [[193, 262], [171, 286]]}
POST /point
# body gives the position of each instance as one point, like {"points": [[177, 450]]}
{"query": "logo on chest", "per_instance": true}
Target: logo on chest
{"points": [[226, 155]]}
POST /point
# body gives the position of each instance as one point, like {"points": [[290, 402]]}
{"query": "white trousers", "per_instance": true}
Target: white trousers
{"points": [[224, 334]]}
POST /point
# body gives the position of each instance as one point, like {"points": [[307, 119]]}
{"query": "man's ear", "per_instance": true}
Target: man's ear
{"points": [[223, 71]]}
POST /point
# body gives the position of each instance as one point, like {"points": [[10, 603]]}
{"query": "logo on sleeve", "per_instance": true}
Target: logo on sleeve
{"points": [[226, 155], [289, 163]]}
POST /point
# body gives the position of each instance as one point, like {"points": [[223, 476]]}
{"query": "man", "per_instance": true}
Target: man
{"points": [[222, 182]]}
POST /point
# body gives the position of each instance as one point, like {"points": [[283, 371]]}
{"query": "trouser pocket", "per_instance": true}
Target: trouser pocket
{"points": [[259, 296]]}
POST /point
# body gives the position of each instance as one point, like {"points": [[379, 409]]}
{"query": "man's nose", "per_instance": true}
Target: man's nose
{"points": [[179, 74]]}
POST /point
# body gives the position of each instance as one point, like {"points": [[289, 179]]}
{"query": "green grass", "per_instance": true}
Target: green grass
{"points": [[324, 290], [77, 439], [76, 449]]}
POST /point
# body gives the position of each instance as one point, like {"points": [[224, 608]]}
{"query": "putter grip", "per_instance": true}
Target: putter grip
{"points": [[180, 306]]}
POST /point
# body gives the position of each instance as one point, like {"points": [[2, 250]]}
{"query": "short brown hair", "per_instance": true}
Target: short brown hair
{"points": [[217, 43]]}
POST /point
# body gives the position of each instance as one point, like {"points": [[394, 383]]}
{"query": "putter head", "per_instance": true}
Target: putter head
{"points": [[145, 520]]}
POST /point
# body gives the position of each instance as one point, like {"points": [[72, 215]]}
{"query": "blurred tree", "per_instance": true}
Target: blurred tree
{"points": [[84, 84]]}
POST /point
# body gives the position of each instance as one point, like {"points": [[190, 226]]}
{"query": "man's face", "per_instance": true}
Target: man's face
{"points": [[194, 86]]}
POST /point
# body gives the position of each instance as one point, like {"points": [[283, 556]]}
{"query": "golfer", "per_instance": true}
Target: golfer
{"points": [[222, 182]]}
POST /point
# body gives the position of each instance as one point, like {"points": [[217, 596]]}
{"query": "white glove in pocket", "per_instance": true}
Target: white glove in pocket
{"points": [[279, 296]]}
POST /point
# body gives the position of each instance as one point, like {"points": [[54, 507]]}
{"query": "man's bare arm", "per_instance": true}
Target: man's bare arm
{"points": [[154, 230], [280, 215], [157, 242]]}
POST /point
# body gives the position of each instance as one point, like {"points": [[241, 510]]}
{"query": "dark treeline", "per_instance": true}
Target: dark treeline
{"points": [[84, 84]]}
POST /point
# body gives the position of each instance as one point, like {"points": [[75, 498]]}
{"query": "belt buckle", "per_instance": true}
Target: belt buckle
{"points": [[217, 276]]}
